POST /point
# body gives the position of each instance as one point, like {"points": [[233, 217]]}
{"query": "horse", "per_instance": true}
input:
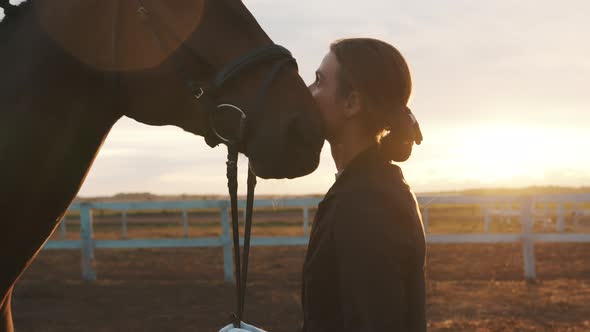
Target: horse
{"points": [[70, 69]]}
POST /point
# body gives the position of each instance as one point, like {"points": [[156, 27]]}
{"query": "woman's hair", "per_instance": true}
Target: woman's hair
{"points": [[379, 73]]}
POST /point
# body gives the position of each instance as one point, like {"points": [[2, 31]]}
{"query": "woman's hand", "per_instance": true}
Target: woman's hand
{"points": [[243, 328]]}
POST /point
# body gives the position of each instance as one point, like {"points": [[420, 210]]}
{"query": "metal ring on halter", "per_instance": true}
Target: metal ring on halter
{"points": [[242, 118]]}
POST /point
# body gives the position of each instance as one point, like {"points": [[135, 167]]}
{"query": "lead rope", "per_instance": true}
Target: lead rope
{"points": [[240, 271], [247, 231], [232, 185]]}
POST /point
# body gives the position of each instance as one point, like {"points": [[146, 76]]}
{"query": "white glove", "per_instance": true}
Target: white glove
{"points": [[243, 328]]}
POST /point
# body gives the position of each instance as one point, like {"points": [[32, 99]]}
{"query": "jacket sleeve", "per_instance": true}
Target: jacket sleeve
{"points": [[373, 248]]}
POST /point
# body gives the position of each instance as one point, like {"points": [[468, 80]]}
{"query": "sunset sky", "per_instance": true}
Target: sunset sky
{"points": [[501, 90]]}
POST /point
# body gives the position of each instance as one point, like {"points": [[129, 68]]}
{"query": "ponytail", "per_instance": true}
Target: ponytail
{"points": [[401, 133]]}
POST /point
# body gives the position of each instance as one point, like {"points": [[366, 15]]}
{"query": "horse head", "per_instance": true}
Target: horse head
{"points": [[154, 48]]}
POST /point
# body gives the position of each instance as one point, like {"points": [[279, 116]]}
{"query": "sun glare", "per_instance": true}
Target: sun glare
{"points": [[508, 154]]}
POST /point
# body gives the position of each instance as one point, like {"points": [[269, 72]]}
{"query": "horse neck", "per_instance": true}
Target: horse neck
{"points": [[227, 24], [56, 112], [46, 155], [47, 145]]}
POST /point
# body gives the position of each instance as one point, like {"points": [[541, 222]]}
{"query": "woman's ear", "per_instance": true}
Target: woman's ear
{"points": [[352, 104]]}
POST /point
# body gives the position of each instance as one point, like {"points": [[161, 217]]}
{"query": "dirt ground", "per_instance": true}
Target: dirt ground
{"points": [[470, 288]]}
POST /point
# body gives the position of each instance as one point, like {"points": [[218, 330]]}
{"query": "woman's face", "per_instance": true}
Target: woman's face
{"points": [[326, 94]]}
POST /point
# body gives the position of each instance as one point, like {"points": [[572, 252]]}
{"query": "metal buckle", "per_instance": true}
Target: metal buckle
{"points": [[200, 94], [143, 12]]}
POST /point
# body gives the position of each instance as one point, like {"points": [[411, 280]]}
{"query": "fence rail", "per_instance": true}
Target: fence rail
{"points": [[527, 213]]}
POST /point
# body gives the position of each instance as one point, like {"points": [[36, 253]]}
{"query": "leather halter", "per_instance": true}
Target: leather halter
{"points": [[266, 54]]}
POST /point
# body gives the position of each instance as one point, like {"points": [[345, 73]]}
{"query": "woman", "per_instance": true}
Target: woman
{"points": [[364, 268]]}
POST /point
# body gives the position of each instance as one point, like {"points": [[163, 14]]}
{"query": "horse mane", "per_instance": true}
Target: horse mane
{"points": [[243, 13]]}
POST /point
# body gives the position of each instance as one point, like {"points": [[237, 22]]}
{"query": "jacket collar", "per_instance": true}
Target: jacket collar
{"points": [[362, 162]]}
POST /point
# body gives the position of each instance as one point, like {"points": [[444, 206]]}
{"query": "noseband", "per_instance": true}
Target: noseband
{"points": [[267, 54], [211, 91]]}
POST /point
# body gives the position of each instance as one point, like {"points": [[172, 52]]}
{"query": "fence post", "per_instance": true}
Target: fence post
{"points": [[124, 224], [528, 245], [88, 262], [577, 214], [306, 221], [560, 217], [425, 218], [228, 258], [486, 220], [63, 228], [546, 218], [185, 222]]}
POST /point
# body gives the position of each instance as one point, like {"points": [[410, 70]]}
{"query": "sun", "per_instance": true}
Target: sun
{"points": [[502, 153]]}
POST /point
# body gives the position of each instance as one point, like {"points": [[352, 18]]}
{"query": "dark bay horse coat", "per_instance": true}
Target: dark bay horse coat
{"points": [[364, 268]]}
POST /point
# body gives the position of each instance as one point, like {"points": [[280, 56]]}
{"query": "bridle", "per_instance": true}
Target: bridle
{"points": [[211, 90]]}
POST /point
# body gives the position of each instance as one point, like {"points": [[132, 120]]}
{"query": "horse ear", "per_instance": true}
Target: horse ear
{"points": [[17, 2], [10, 7], [7, 9]]}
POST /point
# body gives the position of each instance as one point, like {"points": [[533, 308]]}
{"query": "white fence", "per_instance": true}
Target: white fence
{"points": [[527, 214]]}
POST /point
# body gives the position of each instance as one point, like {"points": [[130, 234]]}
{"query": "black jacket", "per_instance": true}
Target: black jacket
{"points": [[364, 267]]}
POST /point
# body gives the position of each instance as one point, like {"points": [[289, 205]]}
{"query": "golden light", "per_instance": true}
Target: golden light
{"points": [[508, 154]]}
